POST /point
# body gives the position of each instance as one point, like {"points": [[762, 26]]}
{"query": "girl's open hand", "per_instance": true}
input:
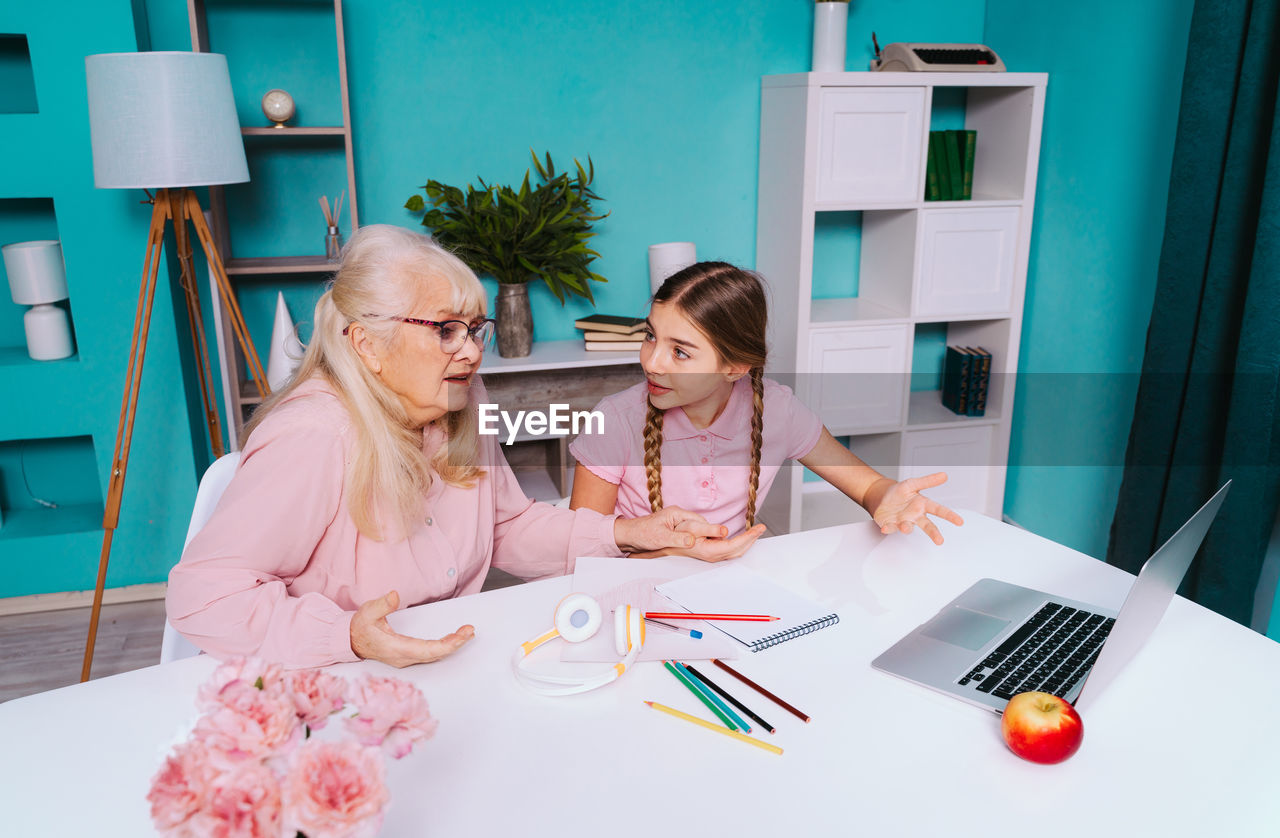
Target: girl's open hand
{"points": [[901, 507]]}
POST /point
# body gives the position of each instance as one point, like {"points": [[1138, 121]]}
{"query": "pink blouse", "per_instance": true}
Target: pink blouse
{"points": [[704, 470], [280, 568]]}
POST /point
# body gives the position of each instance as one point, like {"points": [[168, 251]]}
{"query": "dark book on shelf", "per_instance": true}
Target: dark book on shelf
{"points": [[955, 166], [609, 323], [969, 139], [979, 381], [614, 345], [937, 140], [931, 170], [955, 376]]}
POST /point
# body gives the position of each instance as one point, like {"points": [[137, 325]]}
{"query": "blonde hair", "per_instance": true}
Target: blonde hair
{"points": [[384, 273], [728, 305]]}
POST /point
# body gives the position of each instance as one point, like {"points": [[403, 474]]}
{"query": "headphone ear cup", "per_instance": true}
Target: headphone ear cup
{"points": [[578, 617], [628, 629]]}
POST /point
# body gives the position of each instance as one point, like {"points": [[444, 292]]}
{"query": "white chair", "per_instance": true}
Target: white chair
{"points": [[174, 646]]}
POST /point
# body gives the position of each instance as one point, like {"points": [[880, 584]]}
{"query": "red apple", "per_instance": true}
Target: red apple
{"points": [[1041, 727]]}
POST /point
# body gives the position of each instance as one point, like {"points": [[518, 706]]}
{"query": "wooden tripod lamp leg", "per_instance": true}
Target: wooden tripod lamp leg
{"points": [[128, 407], [195, 318], [256, 371]]}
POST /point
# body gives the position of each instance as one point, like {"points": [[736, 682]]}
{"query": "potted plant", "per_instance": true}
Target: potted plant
{"points": [[518, 236]]}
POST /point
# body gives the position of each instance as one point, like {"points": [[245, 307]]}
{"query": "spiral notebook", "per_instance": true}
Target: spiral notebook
{"points": [[736, 590]]}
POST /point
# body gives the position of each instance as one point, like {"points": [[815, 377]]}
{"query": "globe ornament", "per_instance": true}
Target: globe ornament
{"points": [[278, 107]]}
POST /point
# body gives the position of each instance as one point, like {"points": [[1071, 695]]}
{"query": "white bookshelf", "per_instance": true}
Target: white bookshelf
{"points": [[858, 142]]}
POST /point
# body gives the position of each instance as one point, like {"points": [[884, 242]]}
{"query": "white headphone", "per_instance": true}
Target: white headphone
{"points": [[578, 617]]}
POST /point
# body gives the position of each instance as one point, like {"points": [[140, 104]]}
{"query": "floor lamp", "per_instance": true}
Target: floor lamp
{"points": [[165, 121]]}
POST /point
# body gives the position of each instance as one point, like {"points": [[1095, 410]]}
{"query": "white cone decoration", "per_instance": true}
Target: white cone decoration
{"points": [[286, 349]]}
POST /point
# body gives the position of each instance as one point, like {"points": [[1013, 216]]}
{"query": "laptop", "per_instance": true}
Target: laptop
{"points": [[998, 639]]}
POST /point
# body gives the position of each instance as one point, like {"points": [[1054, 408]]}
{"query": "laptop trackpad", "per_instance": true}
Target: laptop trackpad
{"points": [[963, 627]]}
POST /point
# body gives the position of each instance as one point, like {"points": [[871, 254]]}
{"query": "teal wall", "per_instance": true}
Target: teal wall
{"points": [[1110, 118], [663, 95], [58, 419]]}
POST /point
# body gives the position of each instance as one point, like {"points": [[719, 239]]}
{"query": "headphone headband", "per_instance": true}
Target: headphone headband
{"points": [[578, 617]]}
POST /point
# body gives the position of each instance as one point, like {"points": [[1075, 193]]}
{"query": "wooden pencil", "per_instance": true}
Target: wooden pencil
{"points": [[725, 695], [709, 726], [753, 685], [701, 697]]}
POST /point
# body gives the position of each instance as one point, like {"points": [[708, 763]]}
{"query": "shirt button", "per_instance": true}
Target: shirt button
{"points": [[428, 522], [704, 459], [452, 571], [703, 438], [705, 483]]}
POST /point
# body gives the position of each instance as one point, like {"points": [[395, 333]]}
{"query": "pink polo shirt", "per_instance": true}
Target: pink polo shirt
{"points": [[280, 568], [705, 470]]}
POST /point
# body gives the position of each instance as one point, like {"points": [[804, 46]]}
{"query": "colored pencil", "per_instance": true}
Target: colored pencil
{"points": [[678, 615], [701, 697], [744, 708], [724, 708], [694, 633], [753, 685], [709, 726]]}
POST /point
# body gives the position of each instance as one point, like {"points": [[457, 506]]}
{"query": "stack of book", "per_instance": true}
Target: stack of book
{"points": [[966, 374], [612, 333], [949, 173]]}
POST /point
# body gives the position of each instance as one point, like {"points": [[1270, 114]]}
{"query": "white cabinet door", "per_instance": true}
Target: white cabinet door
{"points": [[967, 261], [856, 376], [964, 453], [870, 144]]}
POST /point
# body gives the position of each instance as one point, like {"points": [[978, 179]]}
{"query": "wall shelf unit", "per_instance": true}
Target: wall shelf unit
{"points": [[260, 227], [845, 329]]}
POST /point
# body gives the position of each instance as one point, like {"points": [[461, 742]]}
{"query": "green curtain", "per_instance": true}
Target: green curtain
{"points": [[1207, 407]]}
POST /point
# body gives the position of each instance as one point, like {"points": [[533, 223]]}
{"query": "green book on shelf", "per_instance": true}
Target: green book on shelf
{"points": [[955, 166], [937, 140], [980, 379], [931, 169], [970, 141], [955, 372]]}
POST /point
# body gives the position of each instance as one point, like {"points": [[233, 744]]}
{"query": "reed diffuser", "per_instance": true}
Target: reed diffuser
{"points": [[332, 238]]}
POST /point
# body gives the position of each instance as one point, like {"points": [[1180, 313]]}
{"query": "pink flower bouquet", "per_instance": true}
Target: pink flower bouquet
{"points": [[250, 767]]}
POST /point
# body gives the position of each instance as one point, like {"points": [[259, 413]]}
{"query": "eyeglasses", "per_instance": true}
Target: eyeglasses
{"points": [[453, 333]]}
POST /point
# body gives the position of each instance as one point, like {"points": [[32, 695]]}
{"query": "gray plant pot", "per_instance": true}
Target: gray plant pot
{"points": [[515, 321]]}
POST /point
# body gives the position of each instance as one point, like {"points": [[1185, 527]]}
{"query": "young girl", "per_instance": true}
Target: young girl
{"points": [[708, 432]]}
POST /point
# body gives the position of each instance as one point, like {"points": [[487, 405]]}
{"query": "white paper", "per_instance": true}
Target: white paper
{"points": [[733, 589], [613, 582]]}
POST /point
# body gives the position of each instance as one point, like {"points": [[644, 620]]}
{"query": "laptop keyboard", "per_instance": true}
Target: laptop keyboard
{"points": [[1050, 652]]}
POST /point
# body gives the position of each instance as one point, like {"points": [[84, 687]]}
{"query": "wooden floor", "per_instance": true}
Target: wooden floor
{"points": [[44, 650]]}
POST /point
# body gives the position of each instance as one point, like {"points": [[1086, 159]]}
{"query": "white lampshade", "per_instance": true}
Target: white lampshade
{"points": [[163, 119], [36, 272]]}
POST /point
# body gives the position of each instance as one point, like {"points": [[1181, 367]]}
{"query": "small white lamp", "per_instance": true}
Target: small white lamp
{"points": [[38, 278]]}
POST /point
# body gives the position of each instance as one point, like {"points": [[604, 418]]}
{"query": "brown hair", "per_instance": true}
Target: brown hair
{"points": [[728, 305]]}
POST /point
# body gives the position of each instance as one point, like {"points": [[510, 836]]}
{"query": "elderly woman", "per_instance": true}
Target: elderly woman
{"points": [[363, 483]]}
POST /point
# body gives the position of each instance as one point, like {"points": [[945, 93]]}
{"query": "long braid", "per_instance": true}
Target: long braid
{"points": [[757, 440], [653, 455]]}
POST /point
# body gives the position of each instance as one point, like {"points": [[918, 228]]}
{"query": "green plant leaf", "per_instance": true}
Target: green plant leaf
{"points": [[415, 203]]}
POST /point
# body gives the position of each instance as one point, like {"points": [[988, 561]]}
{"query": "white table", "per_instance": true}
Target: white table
{"points": [[1185, 742]]}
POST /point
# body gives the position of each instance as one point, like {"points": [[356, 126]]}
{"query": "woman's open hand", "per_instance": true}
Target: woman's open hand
{"points": [[901, 506], [671, 526], [715, 549], [372, 637]]}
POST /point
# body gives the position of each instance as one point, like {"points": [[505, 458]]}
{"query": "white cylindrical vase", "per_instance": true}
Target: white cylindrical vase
{"points": [[668, 258], [48, 332], [830, 29]]}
